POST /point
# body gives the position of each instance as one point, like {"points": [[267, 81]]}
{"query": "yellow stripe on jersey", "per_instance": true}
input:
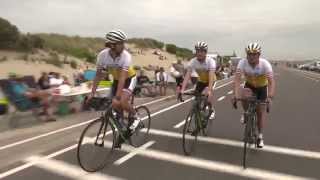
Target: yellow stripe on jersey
{"points": [[115, 72], [257, 81], [204, 76]]}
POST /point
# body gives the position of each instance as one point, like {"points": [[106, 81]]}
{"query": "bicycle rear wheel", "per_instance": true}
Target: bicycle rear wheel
{"points": [[141, 133], [96, 145], [190, 134]]}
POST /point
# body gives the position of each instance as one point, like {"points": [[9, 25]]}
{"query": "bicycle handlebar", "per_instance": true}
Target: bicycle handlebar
{"points": [[252, 99]]}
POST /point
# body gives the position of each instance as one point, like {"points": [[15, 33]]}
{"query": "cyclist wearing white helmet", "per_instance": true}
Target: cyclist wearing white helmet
{"points": [[118, 62], [205, 67], [258, 81]]}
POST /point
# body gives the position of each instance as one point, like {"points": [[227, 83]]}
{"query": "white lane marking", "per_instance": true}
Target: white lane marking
{"points": [[221, 98], [53, 132], [184, 121], [61, 130], [133, 153], [266, 148], [308, 75], [311, 78], [217, 166], [22, 167], [211, 165], [158, 100], [29, 164], [179, 124], [230, 92], [168, 108], [226, 84], [44, 135], [66, 169]]}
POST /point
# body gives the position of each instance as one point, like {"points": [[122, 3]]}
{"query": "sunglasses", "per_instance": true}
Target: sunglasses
{"points": [[252, 54]]}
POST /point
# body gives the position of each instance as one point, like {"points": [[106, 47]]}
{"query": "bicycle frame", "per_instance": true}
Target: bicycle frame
{"points": [[196, 108]]}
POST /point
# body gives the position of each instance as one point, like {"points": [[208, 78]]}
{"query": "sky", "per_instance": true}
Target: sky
{"points": [[286, 29]]}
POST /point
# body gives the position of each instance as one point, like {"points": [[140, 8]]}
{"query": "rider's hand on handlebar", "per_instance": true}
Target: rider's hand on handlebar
{"points": [[180, 92], [91, 95], [234, 102]]}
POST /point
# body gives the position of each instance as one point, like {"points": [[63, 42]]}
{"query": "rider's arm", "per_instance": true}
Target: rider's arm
{"points": [[236, 83], [122, 78], [123, 74], [212, 79], [96, 81], [237, 79], [271, 81], [186, 79], [187, 76], [99, 73], [212, 74], [271, 87]]}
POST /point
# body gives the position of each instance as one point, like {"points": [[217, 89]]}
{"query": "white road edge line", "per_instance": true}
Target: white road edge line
{"points": [[228, 142], [133, 153], [66, 169]]}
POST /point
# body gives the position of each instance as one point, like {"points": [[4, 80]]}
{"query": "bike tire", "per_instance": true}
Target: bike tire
{"points": [[141, 133], [189, 142], [208, 120], [97, 153]]}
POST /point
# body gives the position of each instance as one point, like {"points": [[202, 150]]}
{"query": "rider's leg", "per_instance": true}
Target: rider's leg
{"points": [[115, 104], [125, 101], [262, 114], [262, 94], [246, 92]]}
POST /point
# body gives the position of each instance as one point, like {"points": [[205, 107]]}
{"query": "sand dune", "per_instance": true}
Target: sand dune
{"points": [[14, 63]]}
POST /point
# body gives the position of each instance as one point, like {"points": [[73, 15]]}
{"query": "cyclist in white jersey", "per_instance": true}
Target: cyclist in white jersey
{"points": [[117, 61], [205, 67], [258, 81]]}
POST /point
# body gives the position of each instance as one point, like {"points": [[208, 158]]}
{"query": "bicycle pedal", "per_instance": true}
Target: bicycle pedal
{"points": [[100, 144]]}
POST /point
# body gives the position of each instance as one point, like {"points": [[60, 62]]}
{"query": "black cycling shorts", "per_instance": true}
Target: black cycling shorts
{"points": [[179, 81], [260, 92], [129, 85], [200, 87]]}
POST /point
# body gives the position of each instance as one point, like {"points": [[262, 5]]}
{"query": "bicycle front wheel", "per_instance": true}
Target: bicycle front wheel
{"points": [[96, 145], [246, 139], [141, 133], [190, 134], [210, 115]]}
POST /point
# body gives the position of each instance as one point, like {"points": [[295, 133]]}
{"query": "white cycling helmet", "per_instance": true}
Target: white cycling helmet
{"points": [[115, 36], [253, 48], [201, 46]]}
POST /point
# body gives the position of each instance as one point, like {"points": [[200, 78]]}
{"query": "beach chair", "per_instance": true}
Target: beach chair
{"points": [[20, 102]]}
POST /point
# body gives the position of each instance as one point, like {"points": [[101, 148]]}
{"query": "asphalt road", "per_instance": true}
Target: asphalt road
{"points": [[292, 151]]}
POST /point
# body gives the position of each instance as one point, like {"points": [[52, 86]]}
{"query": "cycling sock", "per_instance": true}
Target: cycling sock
{"points": [[260, 135]]}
